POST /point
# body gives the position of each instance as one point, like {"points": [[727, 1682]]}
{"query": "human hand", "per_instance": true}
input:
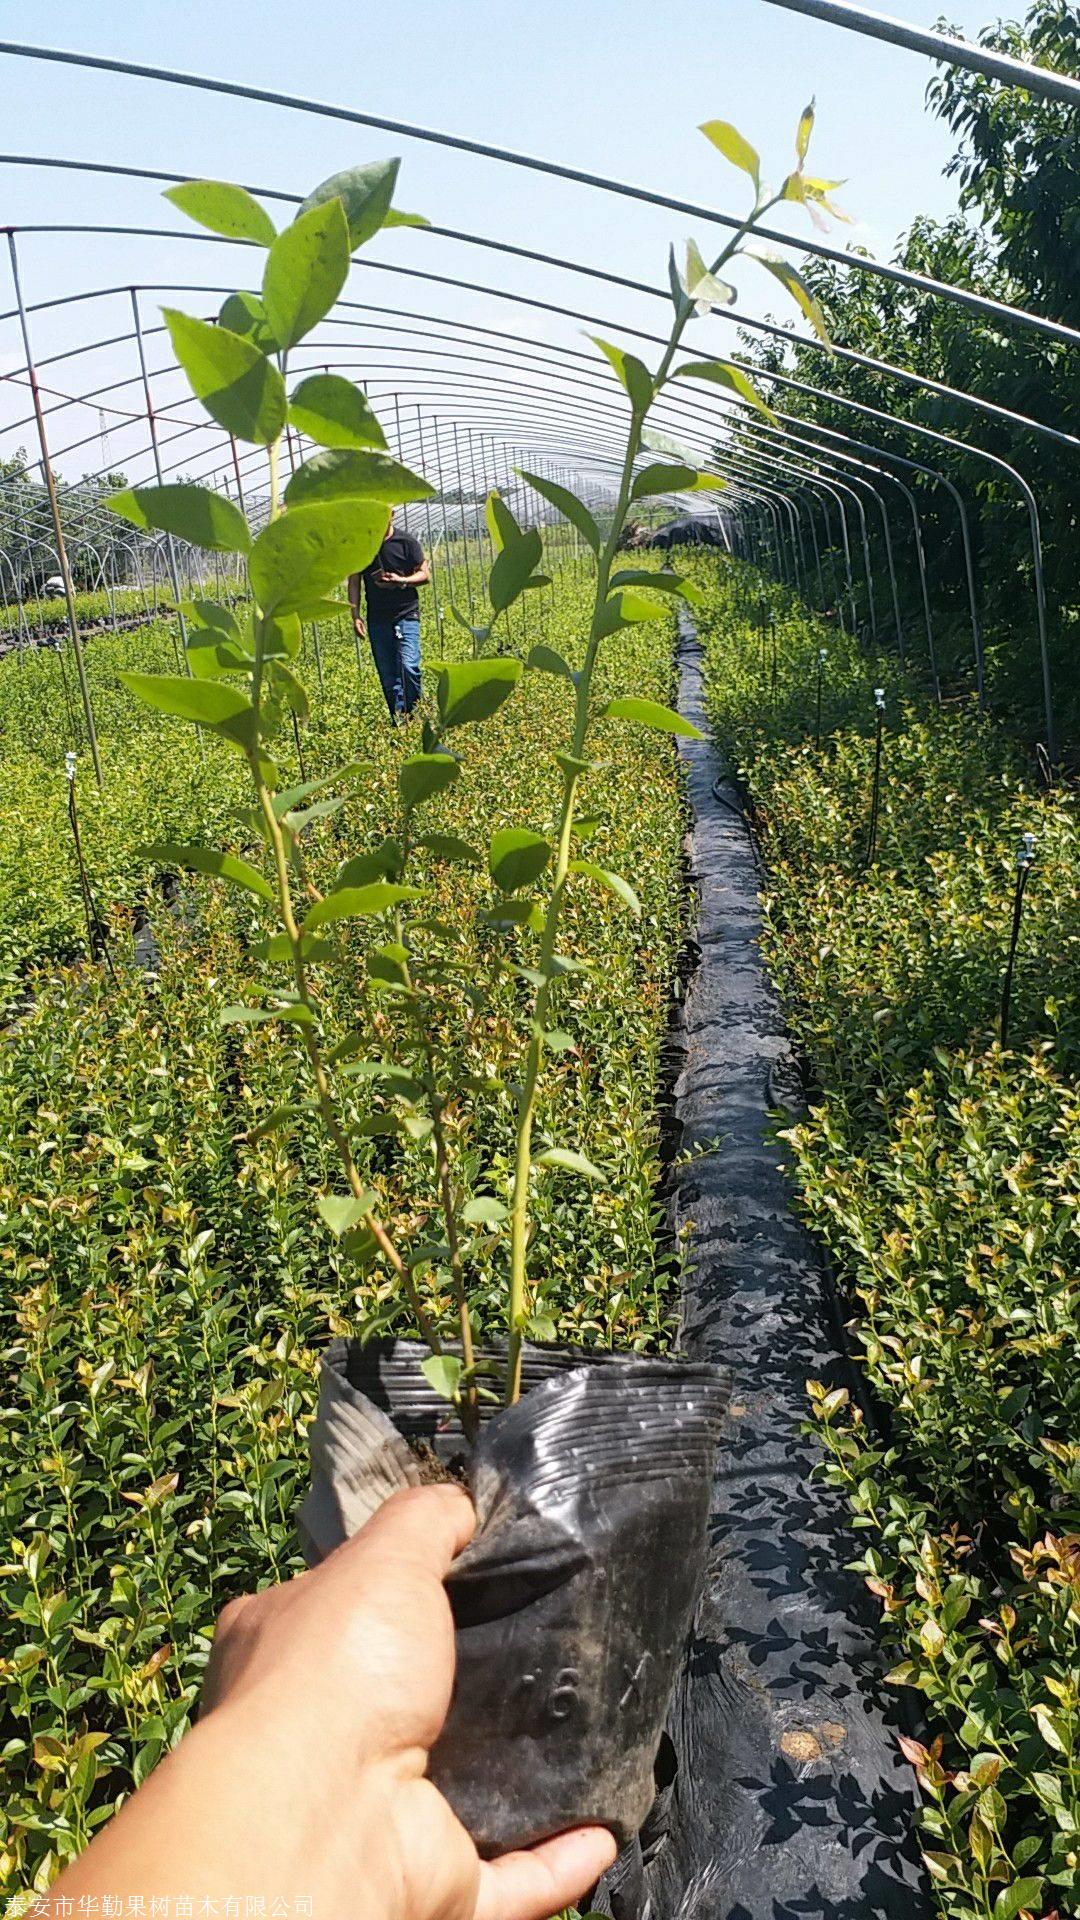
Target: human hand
{"points": [[359, 628], [390, 579], [305, 1773]]}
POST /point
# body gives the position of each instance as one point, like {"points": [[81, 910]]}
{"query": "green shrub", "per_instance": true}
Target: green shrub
{"points": [[166, 1289], [943, 1174]]}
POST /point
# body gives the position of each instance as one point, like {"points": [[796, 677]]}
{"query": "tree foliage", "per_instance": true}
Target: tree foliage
{"points": [[1016, 239]]}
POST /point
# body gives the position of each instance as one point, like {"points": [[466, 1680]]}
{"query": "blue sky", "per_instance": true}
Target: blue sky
{"points": [[617, 86]]}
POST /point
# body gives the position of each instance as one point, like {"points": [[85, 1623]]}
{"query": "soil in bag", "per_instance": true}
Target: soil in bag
{"points": [[572, 1602]]}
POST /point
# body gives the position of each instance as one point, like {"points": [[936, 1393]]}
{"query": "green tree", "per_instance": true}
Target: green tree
{"points": [[1016, 239]]}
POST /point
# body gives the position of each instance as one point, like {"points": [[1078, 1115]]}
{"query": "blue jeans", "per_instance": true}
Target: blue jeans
{"points": [[395, 648]]}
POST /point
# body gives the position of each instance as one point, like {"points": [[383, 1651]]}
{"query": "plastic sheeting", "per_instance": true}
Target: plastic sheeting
{"points": [[786, 1797]]}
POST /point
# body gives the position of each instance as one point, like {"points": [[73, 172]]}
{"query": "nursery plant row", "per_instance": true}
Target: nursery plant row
{"points": [[167, 1287], [942, 1171]]}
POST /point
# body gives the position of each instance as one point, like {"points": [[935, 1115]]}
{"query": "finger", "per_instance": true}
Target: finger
{"points": [[538, 1884], [427, 1526]]}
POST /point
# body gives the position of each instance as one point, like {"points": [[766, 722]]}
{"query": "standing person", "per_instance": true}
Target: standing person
{"points": [[393, 616]]}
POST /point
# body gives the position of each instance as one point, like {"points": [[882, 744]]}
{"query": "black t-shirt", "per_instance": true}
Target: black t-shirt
{"points": [[399, 553]]}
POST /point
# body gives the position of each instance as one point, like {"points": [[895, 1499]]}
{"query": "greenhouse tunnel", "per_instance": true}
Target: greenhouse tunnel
{"points": [[852, 507]]}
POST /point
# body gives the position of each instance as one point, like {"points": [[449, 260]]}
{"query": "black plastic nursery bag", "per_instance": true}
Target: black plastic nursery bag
{"points": [[573, 1600]]}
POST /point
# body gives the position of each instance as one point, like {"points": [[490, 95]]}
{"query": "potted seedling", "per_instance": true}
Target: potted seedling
{"points": [[590, 1474]]}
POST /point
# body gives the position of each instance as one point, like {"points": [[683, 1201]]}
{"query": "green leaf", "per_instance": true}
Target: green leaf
{"points": [[278, 1117], [479, 634], [730, 142], [366, 193], [294, 1014], [567, 504], [517, 857], [341, 1212], [442, 1371], [280, 636], [709, 294], [355, 903], [1053, 1728], [447, 846], [512, 567], [796, 286], [515, 913], [311, 549], [194, 514], [207, 615], [1022, 1893], [225, 866], [666, 443], [283, 681], [245, 314], [501, 524], [306, 268], [569, 1160], [279, 950], [663, 479], [804, 131], [208, 702], [545, 660], [225, 209], [290, 797], [558, 1041], [679, 297], [384, 862], [397, 217], [235, 382], [471, 690], [649, 713], [484, 1211], [209, 656], [424, 774], [633, 373], [660, 582], [722, 373], [348, 473], [613, 881], [630, 606], [335, 413], [303, 817]]}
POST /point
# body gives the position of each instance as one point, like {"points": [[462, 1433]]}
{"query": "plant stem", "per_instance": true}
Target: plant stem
{"points": [[469, 1406], [274, 454], [517, 1311], [327, 1109]]}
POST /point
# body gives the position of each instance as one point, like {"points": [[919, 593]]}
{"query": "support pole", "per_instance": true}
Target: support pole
{"points": [[461, 523], [430, 541], [54, 508], [1043, 81], [397, 425], [151, 421]]}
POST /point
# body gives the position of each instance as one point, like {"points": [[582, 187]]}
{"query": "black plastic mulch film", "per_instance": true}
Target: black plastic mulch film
{"points": [[777, 1791]]}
